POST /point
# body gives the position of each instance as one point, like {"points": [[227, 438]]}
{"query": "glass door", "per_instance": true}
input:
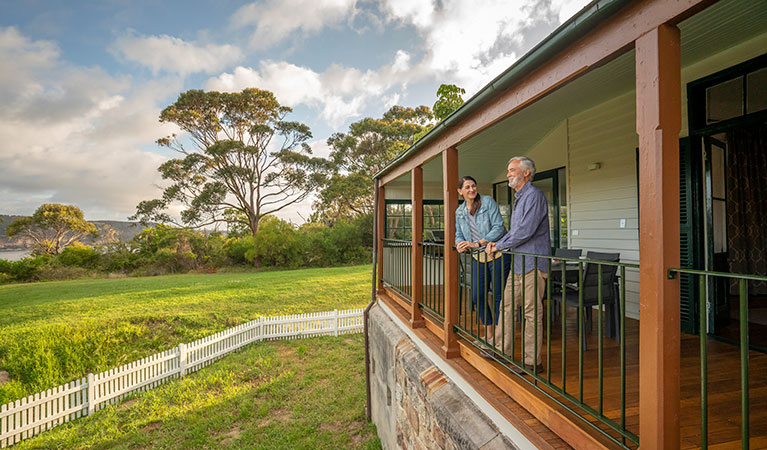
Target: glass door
{"points": [[552, 184], [715, 229], [502, 196]]}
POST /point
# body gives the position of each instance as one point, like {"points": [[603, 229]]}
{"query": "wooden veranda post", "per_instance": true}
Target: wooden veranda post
{"points": [[659, 110], [450, 197], [381, 213], [416, 265]]}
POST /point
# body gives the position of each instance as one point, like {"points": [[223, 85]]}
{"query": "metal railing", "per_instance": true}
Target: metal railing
{"points": [[433, 292], [397, 257], [501, 334], [706, 281]]}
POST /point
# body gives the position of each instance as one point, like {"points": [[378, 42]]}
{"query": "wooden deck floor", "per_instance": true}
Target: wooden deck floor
{"points": [[723, 387]]}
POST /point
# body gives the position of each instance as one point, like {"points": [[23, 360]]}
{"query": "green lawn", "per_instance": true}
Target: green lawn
{"points": [[58, 331], [299, 394]]}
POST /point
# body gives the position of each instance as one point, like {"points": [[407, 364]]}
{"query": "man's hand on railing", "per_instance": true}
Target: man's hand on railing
{"points": [[490, 248]]}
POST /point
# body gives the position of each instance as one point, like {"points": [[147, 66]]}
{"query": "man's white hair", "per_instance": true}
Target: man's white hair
{"points": [[526, 164]]}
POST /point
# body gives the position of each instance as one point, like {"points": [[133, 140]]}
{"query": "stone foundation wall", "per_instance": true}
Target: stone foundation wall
{"points": [[413, 404]]}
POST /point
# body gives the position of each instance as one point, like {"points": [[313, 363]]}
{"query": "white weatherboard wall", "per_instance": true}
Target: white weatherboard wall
{"points": [[599, 199], [36, 413]]}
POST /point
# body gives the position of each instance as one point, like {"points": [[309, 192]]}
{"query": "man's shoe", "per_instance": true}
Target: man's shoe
{"points": [[483, 351], [529, 368]]}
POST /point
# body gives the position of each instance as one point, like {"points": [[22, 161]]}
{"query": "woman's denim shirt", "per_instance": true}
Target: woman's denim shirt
{"points": [[488, 219]]}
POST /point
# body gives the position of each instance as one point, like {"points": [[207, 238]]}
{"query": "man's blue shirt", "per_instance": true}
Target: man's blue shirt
{"points": [[529, 229]]}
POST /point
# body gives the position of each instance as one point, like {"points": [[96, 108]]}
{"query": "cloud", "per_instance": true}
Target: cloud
{"points": [[172, 55], [339, 93], [276, 20], [70, 134], [462, 42], [470, 43], [567, 8]]}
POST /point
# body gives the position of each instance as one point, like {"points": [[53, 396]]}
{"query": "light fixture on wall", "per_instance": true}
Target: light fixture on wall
{"points": [[595, 166]]}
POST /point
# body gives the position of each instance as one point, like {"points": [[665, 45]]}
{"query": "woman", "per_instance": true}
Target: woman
{"points": [[479, 221]]}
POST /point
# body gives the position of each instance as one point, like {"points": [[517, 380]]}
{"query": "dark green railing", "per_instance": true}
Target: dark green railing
{"points": [[397, 257], [499, 340], [707, 279], [433, 293]]}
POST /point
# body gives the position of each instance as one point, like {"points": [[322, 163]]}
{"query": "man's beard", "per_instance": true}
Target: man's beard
{"points": [[515, 182]]}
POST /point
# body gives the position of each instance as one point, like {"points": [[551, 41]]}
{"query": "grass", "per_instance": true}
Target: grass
{"points": [[301, 394], [57, 331]]}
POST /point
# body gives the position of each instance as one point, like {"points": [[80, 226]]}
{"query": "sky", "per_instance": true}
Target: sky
{"points": [[82, 83]]}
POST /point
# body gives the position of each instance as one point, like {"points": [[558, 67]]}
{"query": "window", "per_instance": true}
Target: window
{"points": [[756, 88], [399, 218], [433, 216], [725, 97], [724, 101]]}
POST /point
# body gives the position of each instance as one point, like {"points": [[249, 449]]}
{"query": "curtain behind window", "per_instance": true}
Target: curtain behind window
{"points": [[747, 203]]}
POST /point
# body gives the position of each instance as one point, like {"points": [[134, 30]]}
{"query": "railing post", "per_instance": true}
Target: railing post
{"points": [[381, 214], [91, 394], [450, 197], [182, 359], [658, 103], [416, 264]]}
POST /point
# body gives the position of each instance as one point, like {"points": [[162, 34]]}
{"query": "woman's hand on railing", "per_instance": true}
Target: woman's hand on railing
{"points": [[463, 246]]}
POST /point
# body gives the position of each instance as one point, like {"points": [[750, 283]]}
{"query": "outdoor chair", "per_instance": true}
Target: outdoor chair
{"points": [[590, 286], [571, 276]]}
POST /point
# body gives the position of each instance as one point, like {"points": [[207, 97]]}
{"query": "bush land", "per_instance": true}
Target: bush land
{"points": [[58, 331], [165, 250]]}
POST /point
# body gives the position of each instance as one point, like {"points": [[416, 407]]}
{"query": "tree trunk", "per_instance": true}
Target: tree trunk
{"points": [[253, 221]]}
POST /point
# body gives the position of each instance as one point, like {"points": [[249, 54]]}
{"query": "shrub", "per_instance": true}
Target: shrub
{"points": [[164, 249], [26, 269], [236, 248], [120, 257], [172, 261], [277, 243], [79, 255], [5, 266], [364, 223], [337, 245], [60, 272]]}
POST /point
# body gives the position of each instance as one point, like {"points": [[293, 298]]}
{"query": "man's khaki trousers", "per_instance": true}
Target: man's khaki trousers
{"points": [[510, 303]]}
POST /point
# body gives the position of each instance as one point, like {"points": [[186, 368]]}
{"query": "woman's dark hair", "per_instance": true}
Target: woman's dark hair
{"points": [[477, 201]]}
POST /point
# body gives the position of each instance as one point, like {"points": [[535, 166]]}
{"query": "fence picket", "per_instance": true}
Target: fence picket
{"points": [[3, 426], [23, 414]]}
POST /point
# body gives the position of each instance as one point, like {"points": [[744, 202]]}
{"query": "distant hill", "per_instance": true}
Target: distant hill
{"points": [[123, 231]]}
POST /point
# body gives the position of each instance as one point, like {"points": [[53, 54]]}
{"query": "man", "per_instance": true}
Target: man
{"points": [[528, 233]]}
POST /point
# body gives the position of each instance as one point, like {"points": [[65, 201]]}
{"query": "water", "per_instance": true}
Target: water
{"points": [[14, 255]]}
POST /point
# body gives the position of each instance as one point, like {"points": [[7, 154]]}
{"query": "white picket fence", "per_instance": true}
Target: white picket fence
{"points": [[32, 415]]}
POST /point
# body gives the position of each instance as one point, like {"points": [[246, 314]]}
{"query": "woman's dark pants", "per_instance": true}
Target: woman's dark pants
{"points": [[482, 276]]}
